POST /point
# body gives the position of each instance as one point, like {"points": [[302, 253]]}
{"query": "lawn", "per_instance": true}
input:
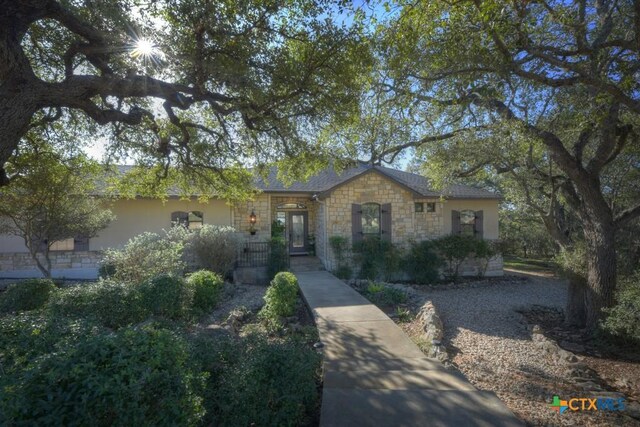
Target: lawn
{"points": [[530, 265]]}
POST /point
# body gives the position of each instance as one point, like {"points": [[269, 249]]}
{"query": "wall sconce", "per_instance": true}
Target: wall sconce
{"points": [[252, 222]]}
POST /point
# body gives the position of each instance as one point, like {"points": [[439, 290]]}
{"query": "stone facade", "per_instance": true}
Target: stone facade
{"points": [[406, 224], [261, 206], [306, 200], [60, 260]]}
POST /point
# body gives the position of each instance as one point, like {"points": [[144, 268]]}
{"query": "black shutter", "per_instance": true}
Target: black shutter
{"points": [[479, 224], [356, 223], [81, 243], [385, 222], [455, 222]]}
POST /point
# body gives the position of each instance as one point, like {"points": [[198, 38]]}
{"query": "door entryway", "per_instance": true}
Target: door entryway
{"points": [[298, 233]]}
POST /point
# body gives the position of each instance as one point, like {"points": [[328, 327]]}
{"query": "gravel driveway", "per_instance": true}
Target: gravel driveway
{"points": [[490, 343]]}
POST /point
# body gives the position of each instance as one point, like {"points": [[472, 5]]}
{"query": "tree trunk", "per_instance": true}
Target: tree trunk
{"points": [[16, 111], [601, 269], [575, 311]]}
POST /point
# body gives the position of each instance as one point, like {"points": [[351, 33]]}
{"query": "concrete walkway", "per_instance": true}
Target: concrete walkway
{"points": [[374, 375]]}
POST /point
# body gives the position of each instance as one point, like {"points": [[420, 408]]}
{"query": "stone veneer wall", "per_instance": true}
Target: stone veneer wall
{"points": [[310, 204], [12, 261], [406, 225], [261, 207], [321, 232]]}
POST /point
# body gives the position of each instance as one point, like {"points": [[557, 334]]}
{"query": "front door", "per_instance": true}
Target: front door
{"points": [[298, 232]]}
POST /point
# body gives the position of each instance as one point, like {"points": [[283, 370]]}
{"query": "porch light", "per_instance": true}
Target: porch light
{"points": [[252, 223]]}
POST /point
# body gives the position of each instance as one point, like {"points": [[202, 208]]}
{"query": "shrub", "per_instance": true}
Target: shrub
{"points": [[340, 246], [215, 248], [623, 319], [29, 335], [274, 384], [281, 296], [483, 252], [26, 295], [143, 257], [277, 257], [111, 303], [167, 296], [380, 294], [343, 272], [422, 263], [207, 287], [131, 377], [372, 254], [455, 249]]}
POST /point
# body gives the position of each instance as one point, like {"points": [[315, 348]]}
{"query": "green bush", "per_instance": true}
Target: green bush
{"points": [[340, 247], [374, 255], [215, 248], [110, 303], [274, 384], [207, 287], [381, 294], [26, 295], [281, 296], [455, 249], [27, 336], [143, 257], [277, 257], [422, 263], [131, 377], [623, 319], [343, 272], [167, 296]]}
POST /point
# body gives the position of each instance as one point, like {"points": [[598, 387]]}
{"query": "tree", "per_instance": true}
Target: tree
{"points": [[50, 200], [487, 70], [206, 85]]}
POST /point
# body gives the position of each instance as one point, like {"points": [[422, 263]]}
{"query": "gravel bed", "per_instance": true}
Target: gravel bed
{"points": [[490, 343]]}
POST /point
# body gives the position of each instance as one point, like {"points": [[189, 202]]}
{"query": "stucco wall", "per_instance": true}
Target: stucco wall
{"points": [[490, 213], [137, 216]]}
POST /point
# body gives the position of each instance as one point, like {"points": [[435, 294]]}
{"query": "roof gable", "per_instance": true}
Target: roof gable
{"points": [[323, 183]]}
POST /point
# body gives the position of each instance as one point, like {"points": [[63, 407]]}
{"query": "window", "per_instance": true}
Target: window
{"points": [[291, 206], [431, 206], [371, 219], [63, 245], [191, 220], [467, 223], [418, 207]]}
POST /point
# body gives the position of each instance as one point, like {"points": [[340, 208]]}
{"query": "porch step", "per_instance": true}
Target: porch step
{"points": [[305, 263]]}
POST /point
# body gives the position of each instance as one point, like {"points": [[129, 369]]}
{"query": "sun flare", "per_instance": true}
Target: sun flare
{"points": [[143, 48]]}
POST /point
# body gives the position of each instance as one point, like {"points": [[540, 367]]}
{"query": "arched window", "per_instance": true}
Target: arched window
{"points": [[190, 220], [467, 222], [370, 219]]}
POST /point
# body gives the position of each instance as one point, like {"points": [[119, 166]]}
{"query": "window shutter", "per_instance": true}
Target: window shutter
{"points": [[479, 224], [455, 222], [356, 223], [80, 243], [385, 222]]}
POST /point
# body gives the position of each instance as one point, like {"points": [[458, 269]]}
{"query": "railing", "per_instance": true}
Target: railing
{"points": [[256, 254]]}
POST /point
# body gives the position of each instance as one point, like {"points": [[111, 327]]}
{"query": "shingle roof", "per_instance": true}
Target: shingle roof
{"points": [[329, 179]]}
